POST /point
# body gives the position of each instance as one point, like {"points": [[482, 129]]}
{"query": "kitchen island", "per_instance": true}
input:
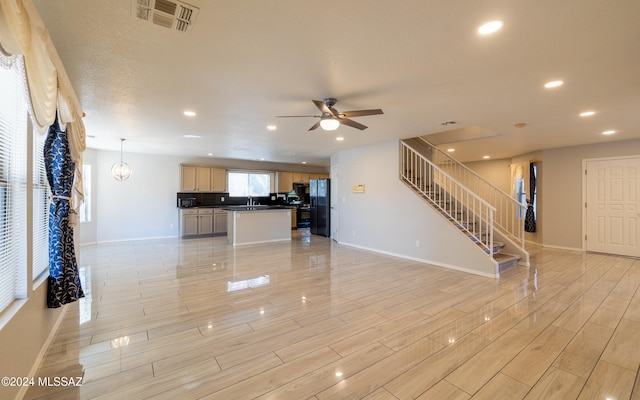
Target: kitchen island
{"points": [[258, 224]]}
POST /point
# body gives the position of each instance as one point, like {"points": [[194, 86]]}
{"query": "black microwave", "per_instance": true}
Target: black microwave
{"points": [[187, 202]]}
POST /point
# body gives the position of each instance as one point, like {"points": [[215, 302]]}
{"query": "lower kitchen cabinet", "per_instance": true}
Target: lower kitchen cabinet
{"points": [[196, 222], [189, 222], [219, 222], [205, 222], [294, 218]]}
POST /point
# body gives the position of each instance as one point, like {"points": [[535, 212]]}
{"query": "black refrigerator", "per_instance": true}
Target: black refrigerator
{"points": [[320, 205]]}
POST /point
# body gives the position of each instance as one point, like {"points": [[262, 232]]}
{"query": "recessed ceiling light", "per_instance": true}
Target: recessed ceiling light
{"points": [[486, 157], [189, 113], [608, 132], [271, 127], [339, 138], [304, 162], [451, 150], [191, 136], [587, 113], [553, 84], [490, 27], [210, 154]]}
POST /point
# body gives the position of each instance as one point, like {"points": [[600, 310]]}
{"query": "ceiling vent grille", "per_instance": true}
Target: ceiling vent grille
{"points": [[174, 15]]}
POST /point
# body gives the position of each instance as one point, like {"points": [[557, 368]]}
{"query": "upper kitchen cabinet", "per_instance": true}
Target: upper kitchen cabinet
{"points": [[318, 176], [285, 182], [301, 177], [218, 180], [202, 179], [188, 180]]}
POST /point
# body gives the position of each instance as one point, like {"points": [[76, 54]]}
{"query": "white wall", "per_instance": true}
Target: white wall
{"points": [[498, 173], [562, 189], [144, 206], [389, 218], [87, 232], [559, 197]]}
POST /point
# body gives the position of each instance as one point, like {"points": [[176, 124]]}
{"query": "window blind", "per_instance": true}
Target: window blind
{"points": [[13, 182], [40, 209]]}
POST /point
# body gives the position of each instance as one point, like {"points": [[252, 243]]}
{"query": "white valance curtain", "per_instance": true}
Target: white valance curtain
{"points": [[517, 173], [22, 33]]}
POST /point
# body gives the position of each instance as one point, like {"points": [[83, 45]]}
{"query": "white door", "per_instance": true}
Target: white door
{"points": [[613, 206], [334, 218]]}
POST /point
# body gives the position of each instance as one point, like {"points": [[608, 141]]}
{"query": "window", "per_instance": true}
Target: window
{"points": [[521, 195], [534, 194], [244, 184], [40, 208], [13, 186], [85, 207]]}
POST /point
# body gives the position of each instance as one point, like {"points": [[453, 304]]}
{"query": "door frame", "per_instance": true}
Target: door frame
{"points": [[333, 203], [584, 189]]}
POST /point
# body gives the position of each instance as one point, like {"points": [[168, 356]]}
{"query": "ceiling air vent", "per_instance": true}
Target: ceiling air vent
{"points": [[174, 15]]}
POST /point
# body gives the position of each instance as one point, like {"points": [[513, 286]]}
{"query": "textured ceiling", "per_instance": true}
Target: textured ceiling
{"points": [[422, 62]]}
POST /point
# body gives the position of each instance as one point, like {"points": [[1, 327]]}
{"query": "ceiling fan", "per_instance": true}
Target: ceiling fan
{"points": [[332, 118]]}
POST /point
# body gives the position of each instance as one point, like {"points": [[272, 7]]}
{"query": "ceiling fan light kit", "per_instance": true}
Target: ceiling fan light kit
{"points": [[331, 118], [329, 124]]}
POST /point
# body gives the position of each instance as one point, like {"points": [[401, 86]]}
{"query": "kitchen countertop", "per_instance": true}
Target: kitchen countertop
{"points": [[258, 208]]}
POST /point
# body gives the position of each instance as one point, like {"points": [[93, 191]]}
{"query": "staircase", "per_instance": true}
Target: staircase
{"points": [[484, 214]]}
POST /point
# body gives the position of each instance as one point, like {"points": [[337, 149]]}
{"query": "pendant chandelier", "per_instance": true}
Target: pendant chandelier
{"points": [[121, 170]]}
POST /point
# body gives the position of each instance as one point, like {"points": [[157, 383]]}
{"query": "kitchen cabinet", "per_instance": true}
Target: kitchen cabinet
{"points": [[301, 177], [187, 178], [285, 182], [294, 218], [189, 222], [195, 179], [219, 222], [202, 179], [205, 221], [218, 180], [196, 222]]}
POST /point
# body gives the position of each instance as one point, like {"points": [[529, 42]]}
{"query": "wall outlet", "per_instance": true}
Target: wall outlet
{"points": [[222, 199], [353, 233], [417, 243]]}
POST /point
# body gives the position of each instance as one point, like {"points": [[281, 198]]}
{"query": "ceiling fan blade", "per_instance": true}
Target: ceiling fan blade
{"points": [[321, 106], [297, 116], [315, 126], [352, 124], [361, 113]]}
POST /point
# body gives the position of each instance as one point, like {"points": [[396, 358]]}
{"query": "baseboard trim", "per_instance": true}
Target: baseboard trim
{"points": [[135, 239], [43, 350], [424, 261], [550, 246]]}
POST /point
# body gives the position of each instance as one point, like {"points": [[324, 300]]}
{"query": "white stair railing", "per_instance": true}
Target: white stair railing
{"points": [[468, 211], [510, 212]]}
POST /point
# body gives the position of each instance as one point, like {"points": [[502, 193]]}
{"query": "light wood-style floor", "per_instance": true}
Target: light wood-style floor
{"points": [[311, 319]]}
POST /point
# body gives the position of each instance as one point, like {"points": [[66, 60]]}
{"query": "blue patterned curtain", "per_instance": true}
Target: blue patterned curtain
{"points": [[64, 280], [530, 218]]}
